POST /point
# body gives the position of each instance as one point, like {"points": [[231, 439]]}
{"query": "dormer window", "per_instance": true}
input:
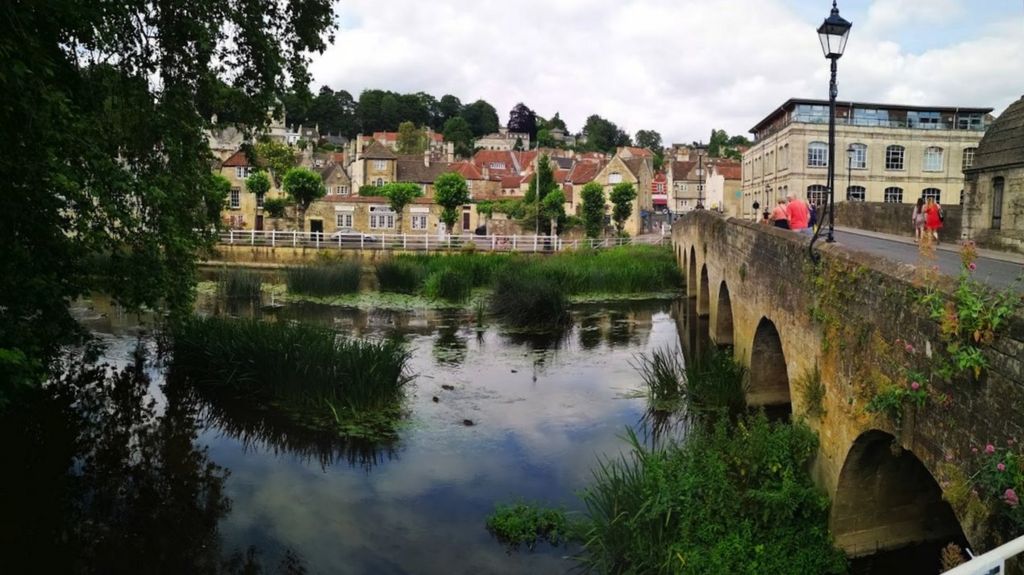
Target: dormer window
{"points": [[497, 165], [614, 178]]}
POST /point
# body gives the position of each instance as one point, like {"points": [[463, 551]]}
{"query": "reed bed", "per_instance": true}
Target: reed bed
{"points": [[400, 275], [239, 284], [326, 279], [305, 366], [711, 384], [449, 285], [627, 269], [528, 298]]}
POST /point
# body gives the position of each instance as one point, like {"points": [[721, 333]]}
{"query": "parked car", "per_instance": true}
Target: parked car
{"points": [[350, 238]]}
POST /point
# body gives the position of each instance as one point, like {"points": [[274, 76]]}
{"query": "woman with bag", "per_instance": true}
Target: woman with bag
{"points": [[933, 218], [917, 220]]}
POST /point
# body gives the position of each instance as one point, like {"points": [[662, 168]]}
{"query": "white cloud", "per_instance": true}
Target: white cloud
{"points": [[681, 67]]}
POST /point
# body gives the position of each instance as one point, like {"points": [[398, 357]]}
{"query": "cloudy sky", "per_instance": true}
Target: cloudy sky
{"points": [[681, 67]]}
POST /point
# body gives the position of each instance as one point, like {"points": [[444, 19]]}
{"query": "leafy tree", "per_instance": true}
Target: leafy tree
{"points": [[649, 139], [722, 146], [275, 207], [258, 183], [278, 157], [399, 195], [593, 209], [102, 151], [556, 122], [518, 146], [544, 139], [552, 207], [523, 120], [449, 107], [332, 112], [220, 189], [450, 192], [622, 197], [603, 135], [411, 140], [305, 187], [458, 131], [482, 118], [547, 181]]}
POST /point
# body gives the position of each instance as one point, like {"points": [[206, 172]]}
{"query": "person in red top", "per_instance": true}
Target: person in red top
{"points": [[799, 214], [932, 218]]}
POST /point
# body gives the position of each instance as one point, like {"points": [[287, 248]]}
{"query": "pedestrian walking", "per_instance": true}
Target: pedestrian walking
{"points": [[917, 219], [933, 218], [797, 213], [813, 219], [780, 218]]}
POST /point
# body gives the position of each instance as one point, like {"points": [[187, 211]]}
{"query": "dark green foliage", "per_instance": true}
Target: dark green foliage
{"points": [[449, 284], [458, 131], [450, 192], [627, 269], [523, 524], [239, 284], [622, 197], [603, 135], [327, 279], [812, 392], [304, 186], [97, 157], [274, 207], [400, 275], [734, 499], [481, 117], [593, 209], [529, 298], [307, 368], [716, 383]]}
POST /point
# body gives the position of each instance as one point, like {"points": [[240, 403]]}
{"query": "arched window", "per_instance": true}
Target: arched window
{"points": [[968, 160], [858, 156], [855, 194], [893, 195], [894, 157], [933, 159], [997, 203], [933, 193], [817, 155], [817, 194], [379, 182]]}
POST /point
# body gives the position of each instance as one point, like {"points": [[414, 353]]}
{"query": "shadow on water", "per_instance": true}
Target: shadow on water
{"points": [[97, 479]]}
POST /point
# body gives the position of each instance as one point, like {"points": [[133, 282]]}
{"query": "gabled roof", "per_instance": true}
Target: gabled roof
{"points": [[333, 170], [637, 152], [411, 169], [377, 151], [466, 170], [561, 175], [681, 169], [583, 172], [511, 181], [634, 165], [238, 159], [357, 199], [729, 170]]}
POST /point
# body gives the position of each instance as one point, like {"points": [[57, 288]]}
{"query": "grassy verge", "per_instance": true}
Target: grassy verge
{"points": [[308, 372]]}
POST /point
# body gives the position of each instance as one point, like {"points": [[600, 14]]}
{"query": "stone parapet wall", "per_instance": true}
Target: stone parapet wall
{"points": [[888, 218]]}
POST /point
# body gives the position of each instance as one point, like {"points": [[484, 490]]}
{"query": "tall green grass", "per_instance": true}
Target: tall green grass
{"points": [[449, 285], [713, 383], [401, 275], [627, 269], [327, 279], [239, 284], [305, 366], [528, 298]]}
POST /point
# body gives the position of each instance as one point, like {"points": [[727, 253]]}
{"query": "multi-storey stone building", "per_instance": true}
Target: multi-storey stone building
{"points": [[884, 152]]}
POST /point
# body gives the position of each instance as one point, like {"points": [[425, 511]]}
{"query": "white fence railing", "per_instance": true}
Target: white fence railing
{"points": [[423, 242], [991, 563]]}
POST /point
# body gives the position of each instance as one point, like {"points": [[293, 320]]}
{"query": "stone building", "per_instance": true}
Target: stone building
{"points": [[244, 210], [636, 171], [994, 186], [896, 153]]}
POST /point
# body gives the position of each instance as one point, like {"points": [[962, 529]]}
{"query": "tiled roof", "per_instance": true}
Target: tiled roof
{"points": [[511, 181], [730, 170], [466, 170], [1003, 143], [376, 151], [564, 163], [333, 170], [411, 169], [584, 172], [681, 169], [637, 152], [561, 175], [357, 199], [634, 165], [236, 160]]}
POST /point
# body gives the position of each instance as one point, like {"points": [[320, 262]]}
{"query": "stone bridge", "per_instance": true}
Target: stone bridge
{"points": [[894, 480]]}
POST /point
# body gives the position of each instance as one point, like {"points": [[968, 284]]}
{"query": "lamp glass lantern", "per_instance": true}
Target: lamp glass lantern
{"points": [[833, 34]]}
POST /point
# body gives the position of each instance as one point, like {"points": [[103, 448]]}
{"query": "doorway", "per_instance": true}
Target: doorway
{"points": [[259, 222], [465, 220]]}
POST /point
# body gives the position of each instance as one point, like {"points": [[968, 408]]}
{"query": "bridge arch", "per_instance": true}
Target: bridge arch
{"points": [[704, 297], [691, 276], [769, 376], [886, 499], [723, 316]]}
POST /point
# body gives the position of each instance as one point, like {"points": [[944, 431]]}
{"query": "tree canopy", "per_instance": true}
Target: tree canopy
{"points": [[721, 145], [305, 187], [622, 197], [593, 209], [450, 192], [411, 140], [603, 135], [105, 165], [482, 118], [523, 120], [458, 132]]}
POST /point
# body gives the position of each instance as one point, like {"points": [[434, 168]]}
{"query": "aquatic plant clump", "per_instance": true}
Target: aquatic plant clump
{"points": [[401, 275], [627, 269], [523, 524], [529, 299], [312, 370], [324, 279], [664, 374], [239, 284], [713, 383], [733, 499], [449, 285]]}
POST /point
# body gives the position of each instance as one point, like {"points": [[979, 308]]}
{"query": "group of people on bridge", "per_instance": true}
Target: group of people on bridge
{"points": [[790, 213]]}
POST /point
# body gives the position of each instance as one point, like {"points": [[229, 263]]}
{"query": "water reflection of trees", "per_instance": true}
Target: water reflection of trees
{"points": [[96, 480]]}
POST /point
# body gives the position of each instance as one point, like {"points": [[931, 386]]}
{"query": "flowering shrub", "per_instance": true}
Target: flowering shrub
{"points": [[971, 318], [1000, 479], [909, 384]]}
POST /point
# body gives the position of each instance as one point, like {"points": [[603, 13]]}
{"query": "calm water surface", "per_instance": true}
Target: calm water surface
{"points": [[542, 411]]}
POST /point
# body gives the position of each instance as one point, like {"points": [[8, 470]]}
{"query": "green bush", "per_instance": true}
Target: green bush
{"points": [[627, 269], [522, 524], [713, 383], [324, 279], [734, 499], [528, 298], [239, 284]]}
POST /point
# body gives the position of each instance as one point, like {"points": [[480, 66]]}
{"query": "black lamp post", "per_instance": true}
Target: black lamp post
{"points": [[700, 173], [833, 33]]}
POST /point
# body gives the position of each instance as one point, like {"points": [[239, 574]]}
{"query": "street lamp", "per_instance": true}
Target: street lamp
{"points": [[700, 172], [833, 33]]}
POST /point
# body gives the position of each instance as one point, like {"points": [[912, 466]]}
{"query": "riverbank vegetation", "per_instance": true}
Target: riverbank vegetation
{"points": [[326, 279], [308, 372], [239, 285], [712, 384]]}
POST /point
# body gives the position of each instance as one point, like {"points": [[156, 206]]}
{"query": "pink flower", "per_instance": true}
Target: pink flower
{"points": [[990, 448], [971, 266], [915, 386], [1009, 442], [909, 348], [1001, 467], [1010, 497], [949, 457], [974, 450]]}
